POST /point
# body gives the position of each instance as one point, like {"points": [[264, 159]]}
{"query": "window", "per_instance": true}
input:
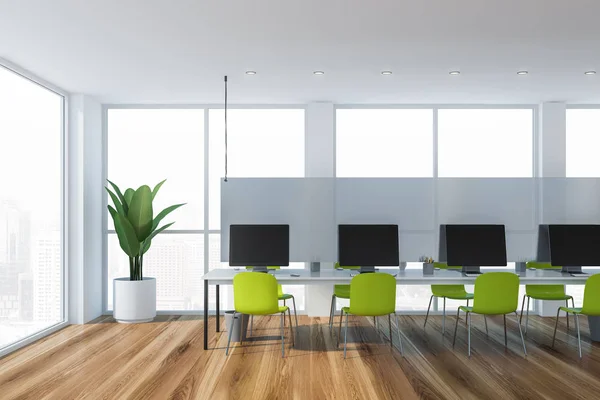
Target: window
{"points": [[485, 143], [31, 240], [393, 143], [146, 146], [262, 143], [583, 140]]}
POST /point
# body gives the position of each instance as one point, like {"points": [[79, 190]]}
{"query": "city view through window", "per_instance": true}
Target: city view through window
{"points": [[31, 269]]}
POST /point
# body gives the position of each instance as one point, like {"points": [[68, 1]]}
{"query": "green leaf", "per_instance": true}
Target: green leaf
{"points": [[155, 190], [116, 202], [164, 213], [112, 212], [140, 212], [128, 196], [148, 241], [146, 246], [126, 234], [121, 197]]}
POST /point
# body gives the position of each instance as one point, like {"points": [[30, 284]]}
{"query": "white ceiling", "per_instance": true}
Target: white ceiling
{"points": [[161, 51]]}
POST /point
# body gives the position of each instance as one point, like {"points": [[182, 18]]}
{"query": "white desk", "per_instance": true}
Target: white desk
{"points": [[405, 277]]}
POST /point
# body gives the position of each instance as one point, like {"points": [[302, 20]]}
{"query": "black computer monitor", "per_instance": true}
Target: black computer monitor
{"points": [[259, 246], [574, 246], [474, 246], [368, 246]]}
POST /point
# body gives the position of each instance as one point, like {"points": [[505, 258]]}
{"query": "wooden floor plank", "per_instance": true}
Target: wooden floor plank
{"points": [[165, 360]]}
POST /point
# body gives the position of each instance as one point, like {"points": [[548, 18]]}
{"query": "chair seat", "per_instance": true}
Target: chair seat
{"points": [[285, 296], [454, 292], [547, 292], [466, 309], [281, 310], [458, 296], [576, 310], [341, 291]]}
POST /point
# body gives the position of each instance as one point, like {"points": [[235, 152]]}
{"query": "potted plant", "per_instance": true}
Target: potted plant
{"points": [[134, 298]]}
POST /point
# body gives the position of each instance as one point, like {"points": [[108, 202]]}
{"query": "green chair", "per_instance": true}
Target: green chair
{"points": [[452, 292], [496, 293], [543, 292], [255, 293], [280, 296], [371, 295], [339, 292], [591, 306]]}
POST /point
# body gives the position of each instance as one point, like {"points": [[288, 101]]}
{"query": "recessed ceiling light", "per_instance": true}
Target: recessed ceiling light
{"points": [[590, 72], [250, 72], [522, 72], [319, 73], [454, 72], [386, 72]]}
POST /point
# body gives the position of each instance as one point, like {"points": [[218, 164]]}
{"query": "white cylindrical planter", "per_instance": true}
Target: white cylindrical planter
{"points": [[134, 301]]}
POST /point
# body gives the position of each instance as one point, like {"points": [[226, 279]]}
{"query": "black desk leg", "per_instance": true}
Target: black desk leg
{"points": [[218, 313], [205, 314]]}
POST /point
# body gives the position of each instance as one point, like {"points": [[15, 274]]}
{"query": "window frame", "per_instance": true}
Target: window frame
{"points": [[205, 231], [535, 137], [64, 210]]}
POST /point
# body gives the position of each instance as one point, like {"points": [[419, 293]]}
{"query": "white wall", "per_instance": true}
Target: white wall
{"points": [[85, 202]]}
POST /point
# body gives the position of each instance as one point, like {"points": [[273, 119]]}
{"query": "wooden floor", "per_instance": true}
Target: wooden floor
{"points": [[165, 360]]}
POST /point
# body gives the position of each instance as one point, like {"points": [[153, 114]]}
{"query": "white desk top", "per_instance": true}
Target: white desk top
{"points": [[225, 276]]}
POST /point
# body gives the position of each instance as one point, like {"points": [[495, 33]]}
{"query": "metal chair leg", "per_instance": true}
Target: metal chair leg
{"points": [[427, 315], [390, 324], [578, 335], [346, 336], [251, 323], [230, 332], [527, 315], [444, 318], [295, 311], [241, 328], [567, 305], [469, 333], [332, 311], [340, 328], [456, 327], [522, 308], [555, 326], [282, 334], [505, 337], [399, 335], [486, 326], [375, 322], [291, 328], [521, 333]]}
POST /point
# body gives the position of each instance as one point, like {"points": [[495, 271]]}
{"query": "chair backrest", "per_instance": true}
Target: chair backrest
{"points": [[337, 265], [442, 265], [496, 293], [541, 265], [591, 296], [373, 294], [255, 293]]}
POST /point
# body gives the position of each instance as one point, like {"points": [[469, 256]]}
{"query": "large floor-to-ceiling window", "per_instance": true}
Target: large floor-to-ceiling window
{"points": [[387, 143], [581, 158], [186, 146], [31, 208], [445, 142]]}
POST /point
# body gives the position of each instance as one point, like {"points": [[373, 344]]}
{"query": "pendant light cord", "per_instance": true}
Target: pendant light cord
{"points": [[225, 128]]}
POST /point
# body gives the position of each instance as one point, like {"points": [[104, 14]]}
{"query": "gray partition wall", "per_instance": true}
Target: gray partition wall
{"points": [[313, 207]]}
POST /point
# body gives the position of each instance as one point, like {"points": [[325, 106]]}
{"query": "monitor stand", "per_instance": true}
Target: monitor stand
{"points": [[256, 268], [365, 269], [572, 269], [471, 270]]}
